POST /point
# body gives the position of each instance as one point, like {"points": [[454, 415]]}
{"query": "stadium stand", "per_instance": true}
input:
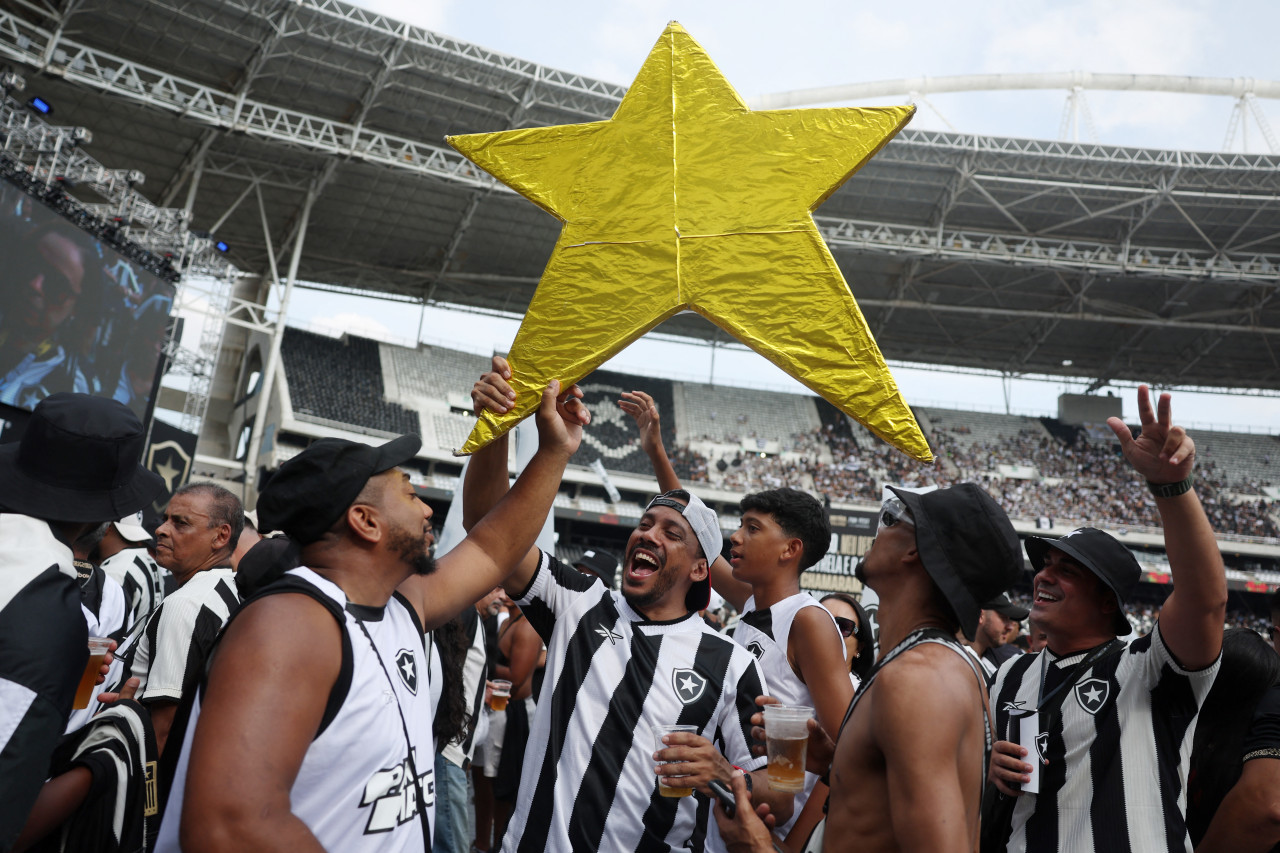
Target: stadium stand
{"points": [[340, 380], [612, 437], [741, 440], [731, 415]]}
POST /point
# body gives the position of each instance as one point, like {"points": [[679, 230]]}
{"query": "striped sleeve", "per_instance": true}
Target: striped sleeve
{"points": [[740, 706], [555, 588], [180, 636], [43, 652]]}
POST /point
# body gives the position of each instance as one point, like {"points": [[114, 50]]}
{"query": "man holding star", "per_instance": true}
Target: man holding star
{"points": [[620, 662]]}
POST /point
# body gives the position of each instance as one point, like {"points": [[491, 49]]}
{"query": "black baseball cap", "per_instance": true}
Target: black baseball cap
{"points": [[311, 491], [600, 564], [1006, 608], [967, 545], [1100, 553]]}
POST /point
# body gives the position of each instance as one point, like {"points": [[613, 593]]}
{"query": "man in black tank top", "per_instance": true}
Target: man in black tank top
{"points": [[909, 761]]}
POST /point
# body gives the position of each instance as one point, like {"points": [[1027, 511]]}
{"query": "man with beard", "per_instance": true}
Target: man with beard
{"points": [[620, 663], [312, 730]]}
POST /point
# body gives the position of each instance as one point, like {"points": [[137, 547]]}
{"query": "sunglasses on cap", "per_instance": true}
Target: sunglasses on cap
{"points": [[847, 626], [892, 512]]}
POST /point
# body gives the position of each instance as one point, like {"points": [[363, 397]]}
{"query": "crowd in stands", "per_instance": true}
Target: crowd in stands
{"points": [[1069, 483]]}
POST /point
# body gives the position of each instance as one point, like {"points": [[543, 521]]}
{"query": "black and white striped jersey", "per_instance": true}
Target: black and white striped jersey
{"points": [[588, 779], [1114, 758], [103, 605], [43, 651], [459, 752], [140, 577], [172, 651]]}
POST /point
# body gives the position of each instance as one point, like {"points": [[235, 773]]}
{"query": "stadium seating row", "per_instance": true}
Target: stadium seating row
{"points": [[741, 440]]}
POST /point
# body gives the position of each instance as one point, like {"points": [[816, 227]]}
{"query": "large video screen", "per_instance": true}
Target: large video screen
{"points": [[74, 314]]}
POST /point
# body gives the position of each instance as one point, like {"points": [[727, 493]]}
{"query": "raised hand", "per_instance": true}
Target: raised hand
{"points": [[492, 391], [1163, 453], [641, 407], [561, 417]]}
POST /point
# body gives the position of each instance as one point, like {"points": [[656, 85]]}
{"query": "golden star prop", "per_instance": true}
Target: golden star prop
{"points": [[686, 199]]}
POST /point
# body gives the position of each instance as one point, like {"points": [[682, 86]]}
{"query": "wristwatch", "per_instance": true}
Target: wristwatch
{"points": [[1171, 490]]}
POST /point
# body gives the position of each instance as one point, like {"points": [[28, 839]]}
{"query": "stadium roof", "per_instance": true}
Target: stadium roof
{"points": [[1024, 256]]}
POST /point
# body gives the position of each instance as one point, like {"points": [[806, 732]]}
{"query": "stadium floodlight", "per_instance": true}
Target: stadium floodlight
{"points": [[40, 105], [221, 246]]}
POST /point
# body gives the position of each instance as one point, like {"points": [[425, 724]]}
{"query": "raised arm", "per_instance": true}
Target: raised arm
{"points": [[649, 421], [499, 549], [1192, 618]]}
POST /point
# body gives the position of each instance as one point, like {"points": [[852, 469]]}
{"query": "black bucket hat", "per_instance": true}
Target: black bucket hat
{"points": [[78, 461], [1100, 553], [311, 491], [600, 564], [967, 545]]}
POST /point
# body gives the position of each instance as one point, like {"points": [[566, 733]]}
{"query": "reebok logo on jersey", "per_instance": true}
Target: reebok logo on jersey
{"points": [[392, 794], [1092, 694], [688, 684], [756, 649], [607, 632], [407, 666]]}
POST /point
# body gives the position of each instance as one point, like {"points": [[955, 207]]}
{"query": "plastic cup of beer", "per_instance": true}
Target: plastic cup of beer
{"points": [[98, 648], [786, 729], [665, 788], [499, 693]]}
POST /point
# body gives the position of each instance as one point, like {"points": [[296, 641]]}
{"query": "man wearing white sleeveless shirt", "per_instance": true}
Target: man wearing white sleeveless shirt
{"points": [[313, 729]]}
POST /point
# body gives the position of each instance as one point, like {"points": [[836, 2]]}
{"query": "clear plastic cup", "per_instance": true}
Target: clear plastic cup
{"points": [[499, 693], [786, 729], [665, 788], [98, 648]]}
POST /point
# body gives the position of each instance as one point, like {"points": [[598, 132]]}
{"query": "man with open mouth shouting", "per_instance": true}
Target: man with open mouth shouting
{"points": [[619, 663]]}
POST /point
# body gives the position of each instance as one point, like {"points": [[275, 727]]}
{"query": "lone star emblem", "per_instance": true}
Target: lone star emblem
{"points": [[1092, 694], [1042, 747], [407, 666], [689, 685], [607, 632], [756, 649]]}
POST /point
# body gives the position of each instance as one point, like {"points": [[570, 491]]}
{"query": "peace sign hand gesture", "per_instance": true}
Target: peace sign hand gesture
{"points": [[1162, 453]]}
